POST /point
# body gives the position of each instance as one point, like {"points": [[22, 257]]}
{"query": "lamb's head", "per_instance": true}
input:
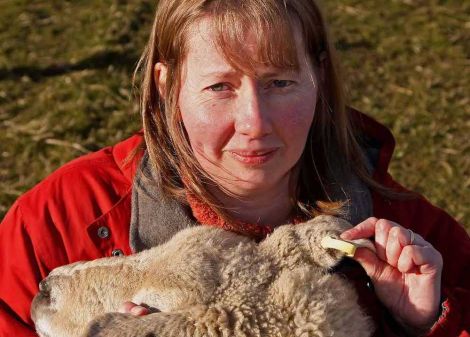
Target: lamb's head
{"points": [[72, 295], [293, 244], [60, 307], [312, 233]]}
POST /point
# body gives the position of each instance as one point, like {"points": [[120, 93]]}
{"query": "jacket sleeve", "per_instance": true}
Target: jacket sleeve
{"points": [[20, 273], [450, 239], [454, 245]]}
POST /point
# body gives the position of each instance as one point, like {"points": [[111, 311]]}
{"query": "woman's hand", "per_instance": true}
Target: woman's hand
{"points": [[405, 270], [133, 309]]}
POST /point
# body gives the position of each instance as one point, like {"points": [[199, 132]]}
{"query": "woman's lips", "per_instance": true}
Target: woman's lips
{"points": [[253, 157]]}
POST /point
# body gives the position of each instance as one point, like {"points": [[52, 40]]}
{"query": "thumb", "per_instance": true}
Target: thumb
{"points": [[369, 261]]}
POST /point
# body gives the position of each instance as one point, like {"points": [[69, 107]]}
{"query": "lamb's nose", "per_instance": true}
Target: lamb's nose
{"points": [[44, 287]]}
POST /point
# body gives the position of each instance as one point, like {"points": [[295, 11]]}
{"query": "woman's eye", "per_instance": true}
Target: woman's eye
{"points": [[219, 87], [281, 83]]}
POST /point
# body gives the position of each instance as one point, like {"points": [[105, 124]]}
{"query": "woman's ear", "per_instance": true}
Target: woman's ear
{"points": [[159, 73]]}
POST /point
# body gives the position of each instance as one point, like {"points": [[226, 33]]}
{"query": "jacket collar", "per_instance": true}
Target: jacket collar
{"points": [[378, 142], [154, 217], [128, 154]]}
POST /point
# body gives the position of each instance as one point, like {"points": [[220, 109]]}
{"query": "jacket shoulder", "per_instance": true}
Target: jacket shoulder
{"points": [[85, 188]]}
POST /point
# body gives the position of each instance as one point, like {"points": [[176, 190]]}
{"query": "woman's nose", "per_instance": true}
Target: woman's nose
{"points": [[252, 117]]}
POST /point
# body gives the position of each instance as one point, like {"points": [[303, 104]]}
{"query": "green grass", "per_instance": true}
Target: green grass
{"points": [[66, 68]]}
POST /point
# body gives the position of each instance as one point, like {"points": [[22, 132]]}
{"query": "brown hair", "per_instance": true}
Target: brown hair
{"points": [[272, 22]]}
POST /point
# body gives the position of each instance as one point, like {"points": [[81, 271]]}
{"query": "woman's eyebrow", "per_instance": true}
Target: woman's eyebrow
{"points": [[232, 73], [220, 73], [277, 72]]}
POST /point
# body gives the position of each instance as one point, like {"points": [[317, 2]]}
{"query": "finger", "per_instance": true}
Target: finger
{"points": [[382, 230], [418, 240], [422, 260], [126, 307], [370, 262], [132, 308], [363, 230], [398, 237], [139, 311]]}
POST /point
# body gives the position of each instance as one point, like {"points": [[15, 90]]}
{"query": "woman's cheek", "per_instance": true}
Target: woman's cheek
{"points": [[297, 108], [295, 119], [208, 130]]}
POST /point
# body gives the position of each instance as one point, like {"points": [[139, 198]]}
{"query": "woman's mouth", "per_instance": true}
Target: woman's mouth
{"points": [[253, 157]]}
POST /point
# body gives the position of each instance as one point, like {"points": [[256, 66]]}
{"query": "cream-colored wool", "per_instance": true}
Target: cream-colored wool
{"points": [[209, 282]]}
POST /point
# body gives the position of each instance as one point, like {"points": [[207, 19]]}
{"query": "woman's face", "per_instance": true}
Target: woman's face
{"points": [[247, 133]]}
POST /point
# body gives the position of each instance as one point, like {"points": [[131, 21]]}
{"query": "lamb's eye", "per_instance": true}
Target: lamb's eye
{"points": [[219, 87]]}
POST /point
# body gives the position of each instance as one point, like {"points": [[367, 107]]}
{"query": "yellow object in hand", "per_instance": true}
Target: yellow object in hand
{"points": [[347, 247]]}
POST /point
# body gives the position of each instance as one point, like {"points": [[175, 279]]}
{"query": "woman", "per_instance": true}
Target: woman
{"points": [[245, 128]]}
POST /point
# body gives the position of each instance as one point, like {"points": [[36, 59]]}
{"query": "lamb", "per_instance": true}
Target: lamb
{"points": [[209, 282]]}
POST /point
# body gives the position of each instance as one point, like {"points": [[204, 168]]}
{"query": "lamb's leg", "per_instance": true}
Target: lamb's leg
{"points": [[152, 325], [196, 321]]}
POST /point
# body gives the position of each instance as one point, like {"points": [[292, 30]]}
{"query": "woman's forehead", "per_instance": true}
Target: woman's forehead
{"points": [[205, 47]]}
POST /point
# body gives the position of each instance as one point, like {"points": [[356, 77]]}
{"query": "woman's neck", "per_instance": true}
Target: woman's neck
{"points": [[271, 207]]}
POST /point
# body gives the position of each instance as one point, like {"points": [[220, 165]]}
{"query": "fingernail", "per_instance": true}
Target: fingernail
{"points": [[138, 311], [345, 235]]}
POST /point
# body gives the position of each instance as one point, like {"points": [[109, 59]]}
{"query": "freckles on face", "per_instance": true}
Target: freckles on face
{"points": [[293, 117], [206, 116], [298, 112], [206, 122]]}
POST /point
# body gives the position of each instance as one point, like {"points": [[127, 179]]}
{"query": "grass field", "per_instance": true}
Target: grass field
{"points": [[66, 68]]}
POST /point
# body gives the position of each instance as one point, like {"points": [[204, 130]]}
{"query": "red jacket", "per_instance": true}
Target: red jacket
{"points": [[82, 212]]}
